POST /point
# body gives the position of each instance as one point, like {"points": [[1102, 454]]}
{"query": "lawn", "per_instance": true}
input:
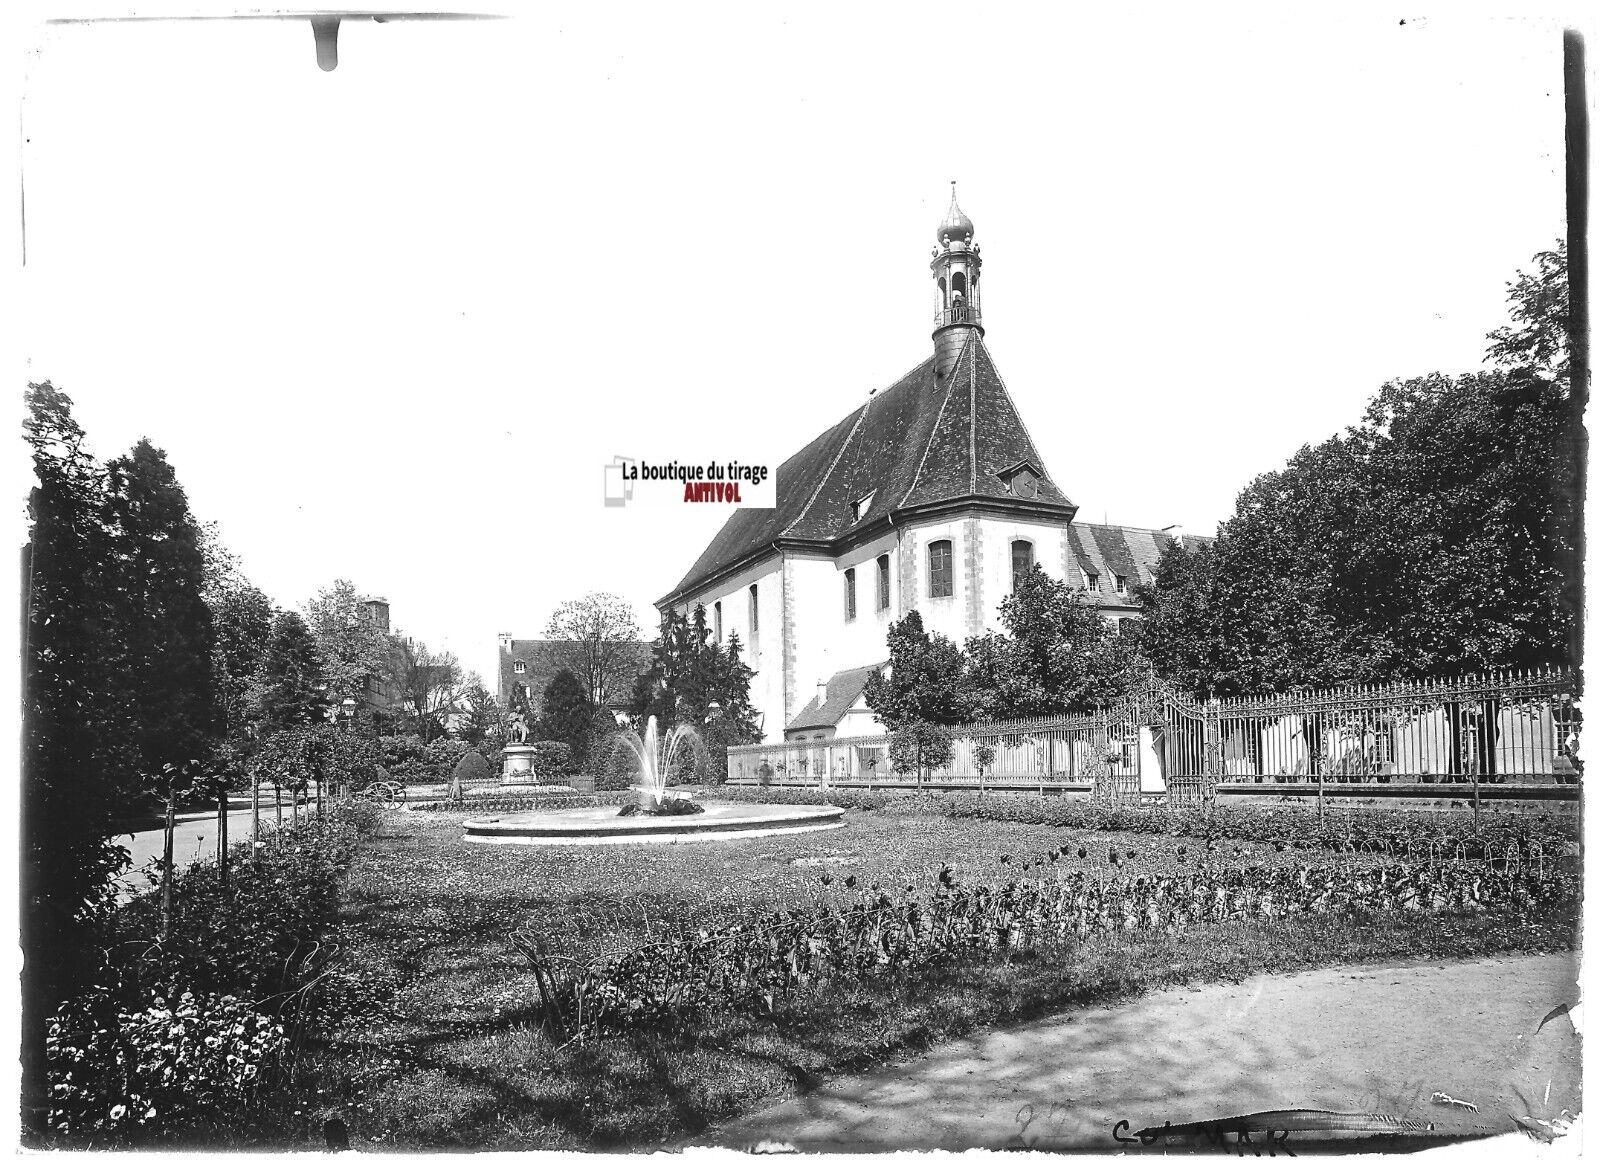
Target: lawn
{"points": [[427, 1040]]}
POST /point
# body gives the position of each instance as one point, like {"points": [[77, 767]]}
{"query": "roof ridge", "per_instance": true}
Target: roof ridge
{"points": [[934, 430], [972, 427], [822, 480], [1012, 403]]}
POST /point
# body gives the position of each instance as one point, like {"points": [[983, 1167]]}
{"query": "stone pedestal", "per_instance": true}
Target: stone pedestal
{"points": [[518, 768]]}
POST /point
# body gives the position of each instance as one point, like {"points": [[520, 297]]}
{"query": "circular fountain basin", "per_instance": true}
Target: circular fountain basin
{"points": [[583, 826]]}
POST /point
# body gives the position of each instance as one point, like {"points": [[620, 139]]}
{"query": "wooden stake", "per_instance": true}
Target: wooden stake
{"points": [[166, 864]]}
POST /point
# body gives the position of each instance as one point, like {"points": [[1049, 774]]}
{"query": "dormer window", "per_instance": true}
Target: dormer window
{"points": [[519, 667], [1091, 581], [1021, 480], [861, 507], [1122, 584]]}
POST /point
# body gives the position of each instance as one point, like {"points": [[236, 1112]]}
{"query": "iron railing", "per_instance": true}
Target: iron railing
{"points": [[1503, 728]]}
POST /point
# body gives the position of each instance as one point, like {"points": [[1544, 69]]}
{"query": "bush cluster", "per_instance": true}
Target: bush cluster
{"points": [[551, 758], [186, 1036]]}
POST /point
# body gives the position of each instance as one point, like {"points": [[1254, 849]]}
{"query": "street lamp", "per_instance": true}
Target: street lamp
{"points": [[347, 714]]}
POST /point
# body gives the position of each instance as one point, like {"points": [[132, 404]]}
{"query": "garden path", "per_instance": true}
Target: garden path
{"points": [[1378, 1039]]}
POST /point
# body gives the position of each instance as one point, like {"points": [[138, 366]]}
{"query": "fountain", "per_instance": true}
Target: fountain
{"points": [[654, 758], [669, 816]]}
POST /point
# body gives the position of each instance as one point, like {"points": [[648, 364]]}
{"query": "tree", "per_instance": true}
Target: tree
{"points": [[72, 734], [241, 620], [289, 690], [566, 714], [918, 746], [1541, 339], [154, 555], [430, 684], [692, 680], [1438, 537], [925, 681], [353, 650], [482, 712], [595, 639], [1058, 655]]}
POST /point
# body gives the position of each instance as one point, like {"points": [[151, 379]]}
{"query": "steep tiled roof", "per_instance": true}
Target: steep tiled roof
{"points": [[843, 691], [1109, 550], [924, 441]]}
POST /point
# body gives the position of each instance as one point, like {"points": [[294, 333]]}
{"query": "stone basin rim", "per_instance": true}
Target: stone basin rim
{"points": [[603, 824]]}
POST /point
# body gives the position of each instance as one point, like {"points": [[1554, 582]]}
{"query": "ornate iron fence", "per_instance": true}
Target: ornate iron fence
{"points": [[1504, 728]]}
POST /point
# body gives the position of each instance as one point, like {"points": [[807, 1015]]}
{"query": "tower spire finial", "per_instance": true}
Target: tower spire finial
{"points": [[955, 273]]}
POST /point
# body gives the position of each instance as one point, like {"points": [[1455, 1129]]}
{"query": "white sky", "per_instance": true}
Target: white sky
{"points": [[389, 323]]}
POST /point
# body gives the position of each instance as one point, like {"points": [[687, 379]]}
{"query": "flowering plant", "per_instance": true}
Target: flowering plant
{"points": [[166, 1066]]}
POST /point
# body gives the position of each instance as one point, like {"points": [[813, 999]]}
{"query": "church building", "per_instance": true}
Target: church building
{"points": [[930, 497]]}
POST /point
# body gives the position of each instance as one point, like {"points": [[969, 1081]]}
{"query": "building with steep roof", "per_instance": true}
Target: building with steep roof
{"points": [[929, 497]]}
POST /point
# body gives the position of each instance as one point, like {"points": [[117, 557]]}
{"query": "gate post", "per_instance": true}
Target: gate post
{"points": [[1211, 750]]}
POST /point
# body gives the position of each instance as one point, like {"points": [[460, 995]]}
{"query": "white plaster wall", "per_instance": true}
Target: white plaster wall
{"points": [[763, 653], [946, 616], [819, 634], [995, 569]]}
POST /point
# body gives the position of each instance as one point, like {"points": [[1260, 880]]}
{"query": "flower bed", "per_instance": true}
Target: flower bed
{"points": [[486, 804], [687, 980], [1407, 833]]}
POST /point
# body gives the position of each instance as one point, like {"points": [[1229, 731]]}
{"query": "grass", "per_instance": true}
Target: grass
{"points": [[429, 1042]]}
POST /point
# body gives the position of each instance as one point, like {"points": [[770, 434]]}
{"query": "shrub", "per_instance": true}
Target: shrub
{"points": [[473, 767], [551, 758], [445, 752], [396, 750], [181, 1037]]}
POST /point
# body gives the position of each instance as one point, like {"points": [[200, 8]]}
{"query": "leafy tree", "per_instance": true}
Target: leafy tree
{"points": [[596, 637], [429, 683], [482, 713], [566, 714], [72, 735], [918, 746], [926, 678], [354, 651], [1058, 656], [289, 690], [1440, 536], [154, 555], [1541, 339], [241, 621]]}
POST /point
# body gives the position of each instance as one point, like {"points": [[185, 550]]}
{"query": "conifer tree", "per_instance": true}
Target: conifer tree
{"points": [[289, 691], [155, 559]]}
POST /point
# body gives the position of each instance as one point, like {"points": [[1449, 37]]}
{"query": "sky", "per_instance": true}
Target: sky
{"points": [[390, 323]]}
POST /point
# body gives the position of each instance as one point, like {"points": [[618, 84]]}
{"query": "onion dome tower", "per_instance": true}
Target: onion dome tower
{"points": [[955, 268]]}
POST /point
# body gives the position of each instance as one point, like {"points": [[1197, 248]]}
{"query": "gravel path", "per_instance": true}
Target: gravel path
{"points": [[1359, 1039]]}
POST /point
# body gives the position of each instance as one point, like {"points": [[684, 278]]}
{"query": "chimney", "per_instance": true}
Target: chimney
{"points": [[1176, 533], [822, 692], [505, 640]]}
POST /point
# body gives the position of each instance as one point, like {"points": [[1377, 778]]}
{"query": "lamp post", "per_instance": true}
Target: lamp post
{"points": [[347, 721]]}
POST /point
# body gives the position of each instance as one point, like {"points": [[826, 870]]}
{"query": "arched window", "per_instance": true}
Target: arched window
{"points": [[958, 283], [944, 293], [850, 595], [1021, 561], [941, 571], [883, 582]]}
